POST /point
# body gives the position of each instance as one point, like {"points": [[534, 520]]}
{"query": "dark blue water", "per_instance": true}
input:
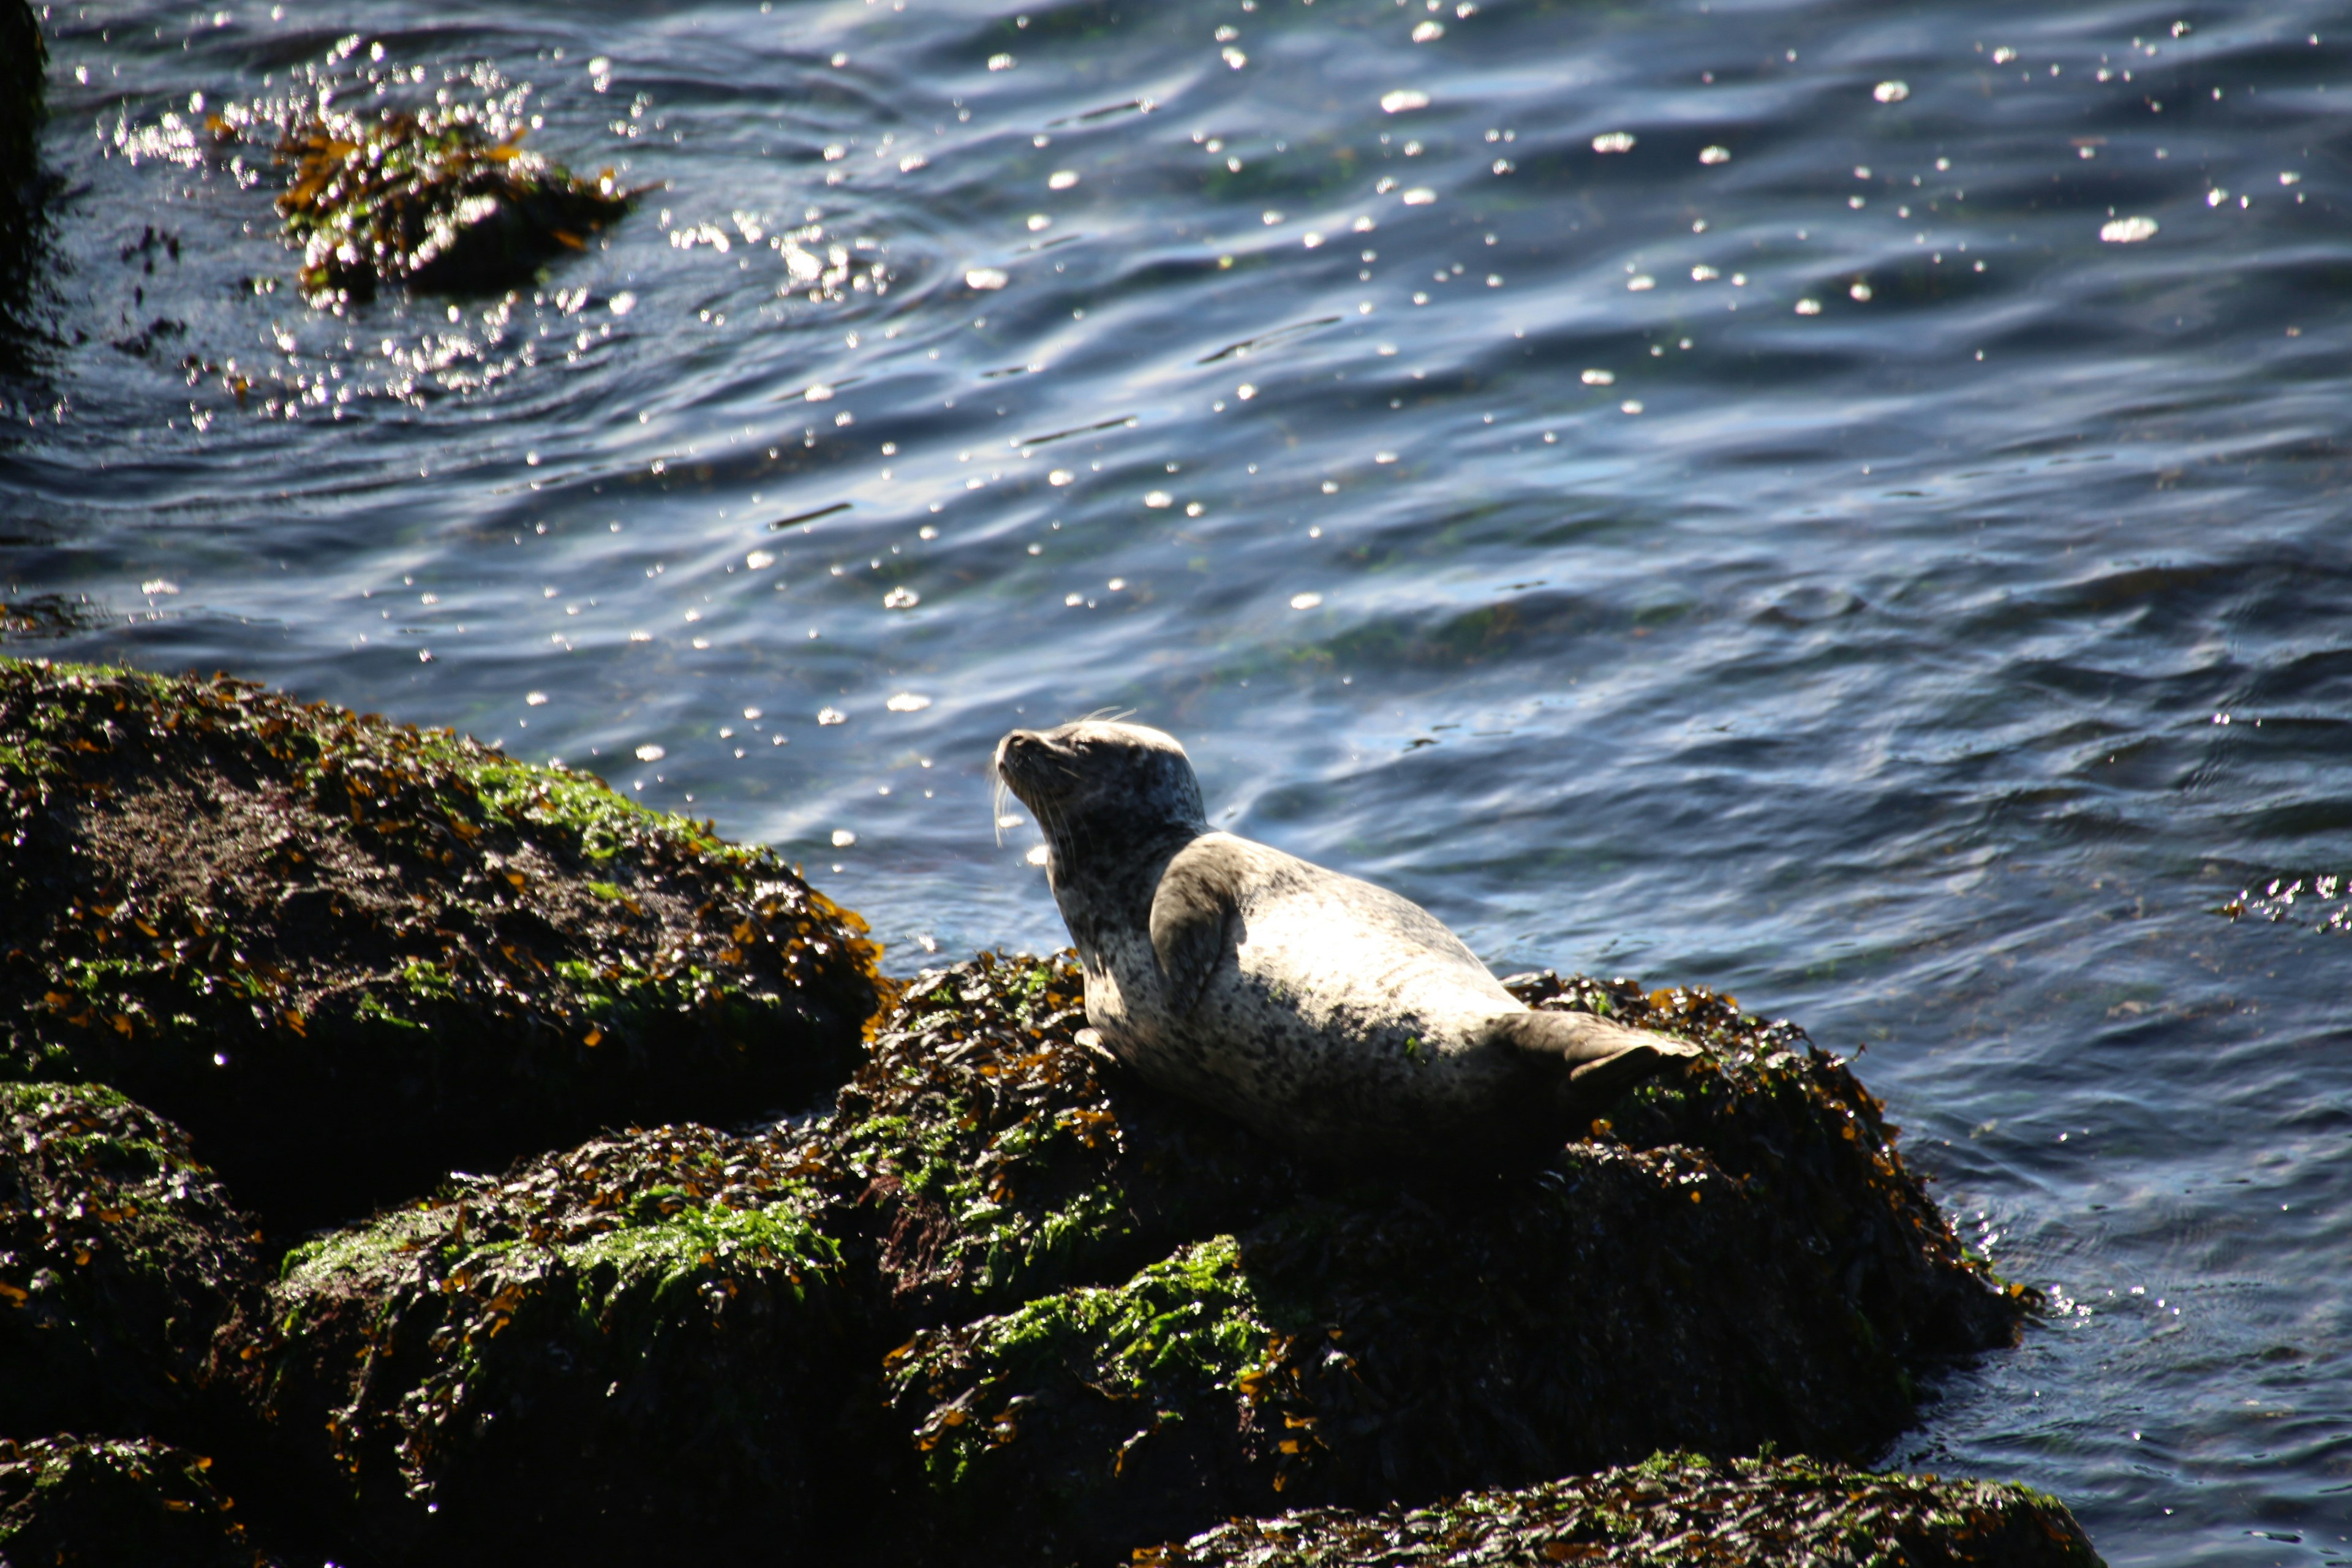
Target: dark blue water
{"points": [[1840, 502]]}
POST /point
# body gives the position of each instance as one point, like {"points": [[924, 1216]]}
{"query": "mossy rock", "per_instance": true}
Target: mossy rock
{"points": [[1017, 1308], [120, 1255], [1736, 1257], [433, 199], [350, 956], [1750, 1513], [641, 1344], [989, 1159], [74, 1502]]}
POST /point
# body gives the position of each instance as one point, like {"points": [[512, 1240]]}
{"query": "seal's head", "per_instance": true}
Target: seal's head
{"points": [[1098, 781]]}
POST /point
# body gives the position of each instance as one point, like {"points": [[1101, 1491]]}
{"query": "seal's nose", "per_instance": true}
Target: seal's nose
{"points": [[1014, 747]]}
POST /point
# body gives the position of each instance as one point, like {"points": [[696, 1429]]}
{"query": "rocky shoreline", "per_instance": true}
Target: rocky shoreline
{"points": [[408, 1154]]}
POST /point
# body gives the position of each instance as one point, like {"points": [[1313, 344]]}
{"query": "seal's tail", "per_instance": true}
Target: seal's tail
{"points": [[1603, 1059]]}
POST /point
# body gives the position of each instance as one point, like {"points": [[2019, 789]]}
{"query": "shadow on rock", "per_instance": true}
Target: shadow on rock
{"points": [[119, 1256], [90, 1504]]}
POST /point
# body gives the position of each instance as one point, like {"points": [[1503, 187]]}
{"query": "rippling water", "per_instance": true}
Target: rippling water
{"points": [[1838, 502]]}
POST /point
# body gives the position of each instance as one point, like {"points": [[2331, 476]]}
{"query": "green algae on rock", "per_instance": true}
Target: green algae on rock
{"points": [[1672, 1510], [350, 955], [435, 199], [75, 1502], [120, 1255], [642, 1343], [991, 1159], [1737, 1257]]}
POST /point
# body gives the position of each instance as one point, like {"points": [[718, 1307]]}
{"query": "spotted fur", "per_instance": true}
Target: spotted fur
{"points": [[1320, 1010]]}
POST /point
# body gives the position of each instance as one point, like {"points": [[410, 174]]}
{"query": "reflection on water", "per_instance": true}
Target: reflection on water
{"points": [[1837, 503]]}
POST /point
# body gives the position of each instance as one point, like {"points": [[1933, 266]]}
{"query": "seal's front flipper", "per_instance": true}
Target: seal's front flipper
{"points": [[1603, 1059], [1196, 918]]}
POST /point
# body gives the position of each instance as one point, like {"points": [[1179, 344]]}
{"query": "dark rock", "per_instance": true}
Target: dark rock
{"points": [[1748, 1513], [350, 955], [73, 1502], [1737, 1257], [435, 199], [119, 1256], [1015, 1308], [24, 59], [643, 1347]]}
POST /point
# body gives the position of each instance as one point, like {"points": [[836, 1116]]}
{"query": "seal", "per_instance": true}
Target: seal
{"points": [[1323, 1011]]}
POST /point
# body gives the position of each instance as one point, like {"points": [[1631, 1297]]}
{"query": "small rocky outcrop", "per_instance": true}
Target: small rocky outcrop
{"points": [[350, 956], [119, 1256], [1675, 1508], [433, 199], [87, 1503]]}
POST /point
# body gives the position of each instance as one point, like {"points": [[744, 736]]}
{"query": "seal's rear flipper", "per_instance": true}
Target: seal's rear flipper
{"points": [[1604, 1059]]}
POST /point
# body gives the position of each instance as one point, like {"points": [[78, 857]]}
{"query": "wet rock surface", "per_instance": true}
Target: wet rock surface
{"points": [[72, 1502], [435, 199], [1737, 1257], [350, 956], [1675, 1509], [119, 1256]]}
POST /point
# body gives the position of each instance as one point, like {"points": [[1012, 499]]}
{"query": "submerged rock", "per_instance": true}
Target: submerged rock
{"points": [[639, 1347], [1015, 1307], [73, 1502], [1751, 1512], [350, 956], [435, 199], [119, 1256]]}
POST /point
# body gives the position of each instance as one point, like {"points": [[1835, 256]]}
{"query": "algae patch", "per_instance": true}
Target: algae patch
{"points": [[436, 199], [1675, 1509]]}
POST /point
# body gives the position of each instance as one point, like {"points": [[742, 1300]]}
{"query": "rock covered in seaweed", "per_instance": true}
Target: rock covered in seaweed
{"points": [[1037, 1312], [75, 1502], [1740, 1258], [644, 1343], [120, 1255], [350, 955], [1757, 1513], [435, 198]]}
